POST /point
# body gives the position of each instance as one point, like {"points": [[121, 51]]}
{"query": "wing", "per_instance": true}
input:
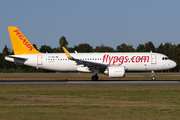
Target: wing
{"points": [[91, 65]]}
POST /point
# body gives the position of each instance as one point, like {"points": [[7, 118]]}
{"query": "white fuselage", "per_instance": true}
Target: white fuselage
{"points": [[132, 61]]}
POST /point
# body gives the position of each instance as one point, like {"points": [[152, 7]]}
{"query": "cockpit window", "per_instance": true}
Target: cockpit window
{"points": [[165, 58]]}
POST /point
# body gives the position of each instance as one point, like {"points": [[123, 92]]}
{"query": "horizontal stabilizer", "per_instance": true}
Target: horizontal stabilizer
{"points": [[17, 59]]}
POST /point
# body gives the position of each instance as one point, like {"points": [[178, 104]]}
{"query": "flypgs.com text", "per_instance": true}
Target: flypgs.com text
{"points": [[124, 59]]}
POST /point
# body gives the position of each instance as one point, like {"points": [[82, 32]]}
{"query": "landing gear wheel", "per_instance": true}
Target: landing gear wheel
{"points": [[94, 77], [153, 78], [153, 75]]}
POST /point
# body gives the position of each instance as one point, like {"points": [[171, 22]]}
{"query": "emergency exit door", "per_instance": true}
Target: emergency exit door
{"points": [[39, 60]]}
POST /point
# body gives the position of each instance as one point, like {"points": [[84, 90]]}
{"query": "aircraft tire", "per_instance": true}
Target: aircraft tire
{"points": [[94, 77], [153, 78]]}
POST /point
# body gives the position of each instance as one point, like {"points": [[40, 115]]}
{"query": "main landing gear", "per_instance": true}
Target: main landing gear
{"points": [[95, 77], [153, 75]]}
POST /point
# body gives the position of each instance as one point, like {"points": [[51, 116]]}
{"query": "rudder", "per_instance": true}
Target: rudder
{"points": [[19, 42]]}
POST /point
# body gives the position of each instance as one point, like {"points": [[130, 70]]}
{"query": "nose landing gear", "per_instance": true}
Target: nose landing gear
{"points": [[153, 75]]}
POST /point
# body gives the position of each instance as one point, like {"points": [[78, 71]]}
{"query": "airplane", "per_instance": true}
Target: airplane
{"points": [[113, 64]]}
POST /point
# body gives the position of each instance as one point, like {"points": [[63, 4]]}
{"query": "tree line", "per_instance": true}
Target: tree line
{"points": [[172, 51]]}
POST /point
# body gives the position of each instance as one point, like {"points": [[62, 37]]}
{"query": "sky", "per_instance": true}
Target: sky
{"points": [[95, 22]]}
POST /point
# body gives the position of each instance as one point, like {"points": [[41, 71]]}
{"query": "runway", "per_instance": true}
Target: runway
{"points": [[88, 82]]}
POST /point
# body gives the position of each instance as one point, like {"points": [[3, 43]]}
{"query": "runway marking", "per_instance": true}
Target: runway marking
{"points": [[87, 82]]}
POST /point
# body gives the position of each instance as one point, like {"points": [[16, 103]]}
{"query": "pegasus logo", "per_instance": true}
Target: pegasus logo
{"points": [[23, 39]]}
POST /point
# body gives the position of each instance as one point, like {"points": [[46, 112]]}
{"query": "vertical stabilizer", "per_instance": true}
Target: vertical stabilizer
{"points": [[19, 42]]}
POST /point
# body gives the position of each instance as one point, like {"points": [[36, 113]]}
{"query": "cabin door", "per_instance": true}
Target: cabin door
{"points": [[39, 60], [153, 59]]}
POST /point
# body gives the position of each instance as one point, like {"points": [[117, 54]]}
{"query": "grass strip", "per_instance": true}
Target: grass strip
{"points": [[89, 102]]}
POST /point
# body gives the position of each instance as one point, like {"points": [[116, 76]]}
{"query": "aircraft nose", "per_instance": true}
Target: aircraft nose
{"points": [[173, 64]]}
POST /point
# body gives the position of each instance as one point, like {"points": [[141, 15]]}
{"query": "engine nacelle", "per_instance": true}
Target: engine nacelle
{"points": [[115, 71]]}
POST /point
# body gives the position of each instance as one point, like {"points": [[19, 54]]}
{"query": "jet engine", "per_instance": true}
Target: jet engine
{"points": [[115, 71]]}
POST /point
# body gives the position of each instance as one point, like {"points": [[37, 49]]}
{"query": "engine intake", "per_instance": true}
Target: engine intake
{"points": [[115, 71]]}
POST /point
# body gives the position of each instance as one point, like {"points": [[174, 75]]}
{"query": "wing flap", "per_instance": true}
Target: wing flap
{"points": [[89, 64]]}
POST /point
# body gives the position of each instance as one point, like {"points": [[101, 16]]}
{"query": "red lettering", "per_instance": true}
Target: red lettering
{"points": [[17, 32], [110, 59], [25, 42], [21, 37], [30, 48], [107, 58], [115, 59], [121, 59], [104, 57], [137, 59], [126, 58], [28, 45], [145, 58], [133, 59]]}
